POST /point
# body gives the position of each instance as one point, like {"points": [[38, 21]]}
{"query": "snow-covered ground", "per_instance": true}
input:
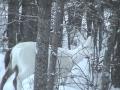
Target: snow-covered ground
{"points": [[2, 70]]}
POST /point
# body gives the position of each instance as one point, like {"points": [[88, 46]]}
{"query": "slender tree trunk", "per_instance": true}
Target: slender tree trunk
{"points": [[53, 60], [70, 24], [108, 55], [60, 15], [13, 24], [89, 24], [41, 63], [115, 68], [101, 26], [106, 63], [56, 41]]}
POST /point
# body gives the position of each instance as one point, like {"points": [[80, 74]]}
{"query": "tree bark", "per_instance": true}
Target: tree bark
{"points": [[53, 60], [28, 28], [56, 41], [108, 55], [13, 24], [60, 15], [107, 62], [41, 63]]}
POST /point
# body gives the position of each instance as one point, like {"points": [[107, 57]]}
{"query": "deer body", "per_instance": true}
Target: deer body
{"points": [[23, 63], [24, 58]]}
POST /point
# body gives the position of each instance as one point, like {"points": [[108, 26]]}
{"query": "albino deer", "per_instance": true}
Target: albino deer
{"points": [[23, 63]]}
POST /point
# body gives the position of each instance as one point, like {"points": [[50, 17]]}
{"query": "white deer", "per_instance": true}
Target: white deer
{"points": [[23, 63]]}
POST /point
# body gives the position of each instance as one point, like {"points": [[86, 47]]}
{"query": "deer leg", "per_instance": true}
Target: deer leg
{"points": [[15, 83], [15, 79], [5, 78]]}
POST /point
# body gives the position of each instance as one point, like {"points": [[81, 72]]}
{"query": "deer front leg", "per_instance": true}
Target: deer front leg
{"points": [[15, 79]]}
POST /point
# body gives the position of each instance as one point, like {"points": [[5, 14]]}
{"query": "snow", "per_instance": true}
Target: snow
{"points": [[28, 83], [9, 83], [79, 75], [67, 88], [2, 68]]}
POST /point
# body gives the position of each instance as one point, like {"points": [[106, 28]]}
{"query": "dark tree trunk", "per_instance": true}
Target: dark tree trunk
{"points": [[28, 28], [107, 61], [60, 15], [115, 24], [89, 24], [41, 63], [53, 60], [70, 25], [56, 41], [115, 68], [109, 55], [13, 24]]}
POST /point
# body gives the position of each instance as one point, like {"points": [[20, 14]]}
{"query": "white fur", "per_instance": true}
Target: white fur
{"points": [[23, 55]]}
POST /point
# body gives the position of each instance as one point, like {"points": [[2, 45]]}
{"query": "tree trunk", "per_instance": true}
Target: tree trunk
{"points": [[60, 15], [106, 62], [56, 41], [13, 24], [109, 52], [70, 25], [41, 63], [28, 28], [53, 61]]}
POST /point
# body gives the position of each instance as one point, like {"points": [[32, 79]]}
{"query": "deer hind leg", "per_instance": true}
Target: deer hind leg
{"points": [[15, 79], [7, 58], [8, 73]]}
